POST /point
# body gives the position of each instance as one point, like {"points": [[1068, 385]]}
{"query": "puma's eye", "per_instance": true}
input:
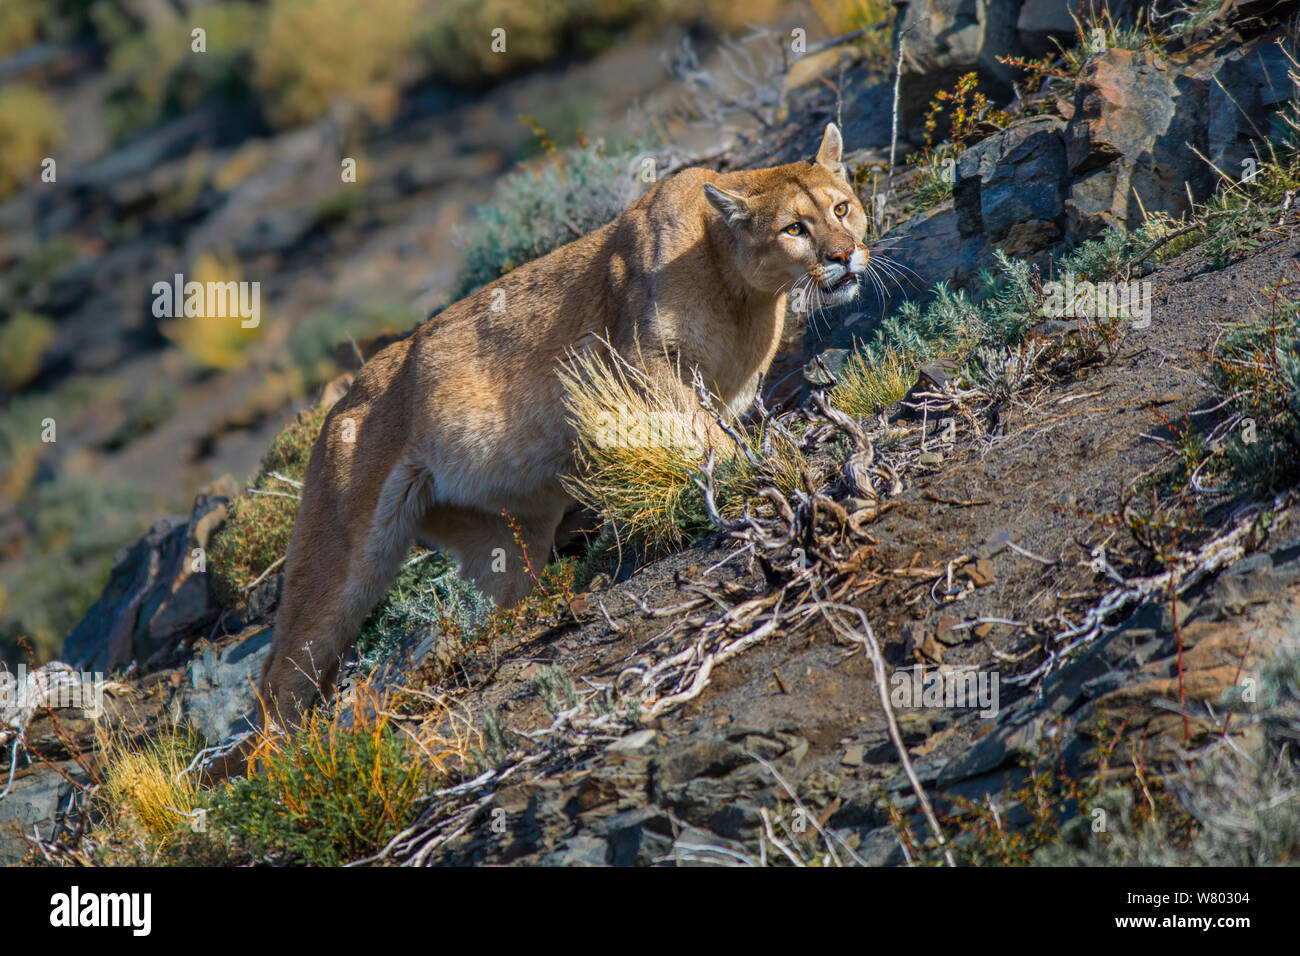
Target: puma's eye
{"points": [[842, 210], [794, 229]]}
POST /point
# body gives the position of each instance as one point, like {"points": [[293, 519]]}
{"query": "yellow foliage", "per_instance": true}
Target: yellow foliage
{"points": [[865, 385], [638, 451], [213, 341], [313, 51], [144, 784], [20, 24], [31, 128], [24, 339]]}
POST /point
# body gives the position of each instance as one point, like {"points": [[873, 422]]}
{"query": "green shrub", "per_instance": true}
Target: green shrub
{"points": [[258, 526], [426, 593], [954, 322], [156, 74], [1257, 366], [1106, 256], [338, 791], [535, 211], [934, 179]]}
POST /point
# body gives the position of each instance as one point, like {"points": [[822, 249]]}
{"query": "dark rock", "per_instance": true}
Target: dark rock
{"points": [[816, 376], [155, 597], [1010, 188], [580, 850], [1127, 142], [1043, 21], [219, 693], [925, 245], [38, 798]]}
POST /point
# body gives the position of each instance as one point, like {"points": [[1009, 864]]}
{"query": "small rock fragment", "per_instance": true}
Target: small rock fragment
{"points": [[980, 573]]}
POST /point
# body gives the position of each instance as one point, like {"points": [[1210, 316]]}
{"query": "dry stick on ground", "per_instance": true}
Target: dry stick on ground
{"points": [[1192, 567], [262, 577], [790, 791], [827, 556], [868, 643], [1198, 224]]}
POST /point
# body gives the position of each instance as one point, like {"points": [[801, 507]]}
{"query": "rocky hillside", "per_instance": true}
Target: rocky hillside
{"points": [[1009, 575]]}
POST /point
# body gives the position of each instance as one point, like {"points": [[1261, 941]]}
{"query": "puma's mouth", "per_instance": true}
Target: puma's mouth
{"points": [[845, 286]]}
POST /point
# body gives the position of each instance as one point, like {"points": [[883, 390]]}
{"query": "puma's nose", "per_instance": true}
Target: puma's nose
{"points": [[843, 256]]}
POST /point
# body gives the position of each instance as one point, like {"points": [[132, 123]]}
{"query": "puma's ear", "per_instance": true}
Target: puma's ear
{"points": [[734, 208], [832, 150]]}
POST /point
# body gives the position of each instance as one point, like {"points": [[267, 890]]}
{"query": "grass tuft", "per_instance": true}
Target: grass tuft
{"points": [[640, 441]]}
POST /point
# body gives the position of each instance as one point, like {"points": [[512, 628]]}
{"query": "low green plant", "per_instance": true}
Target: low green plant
{"points": [[1046, 818], [155, 74], [257, 529], [954, 322], [427, 592], [935, 178], [336, 792], [962, 109], [1256, 366], [1096, 31], [535, 211]]}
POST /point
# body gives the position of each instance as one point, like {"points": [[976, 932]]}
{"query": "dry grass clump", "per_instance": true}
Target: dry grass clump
{"points": [[869, 382], [640, 443], [349, 781], [148, 796]]}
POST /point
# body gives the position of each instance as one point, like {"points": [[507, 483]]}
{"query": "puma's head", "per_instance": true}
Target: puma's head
{"points": [[798, 228]]}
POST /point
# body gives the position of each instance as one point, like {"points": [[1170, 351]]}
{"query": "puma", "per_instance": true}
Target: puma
{"points": [[447, 429]]}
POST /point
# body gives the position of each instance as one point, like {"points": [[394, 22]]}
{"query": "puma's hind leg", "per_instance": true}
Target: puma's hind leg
{"points": [[488, 551], [346, 550]]}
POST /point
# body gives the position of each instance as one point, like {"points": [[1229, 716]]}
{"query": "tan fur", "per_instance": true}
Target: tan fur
{"points": [[465, 418]]}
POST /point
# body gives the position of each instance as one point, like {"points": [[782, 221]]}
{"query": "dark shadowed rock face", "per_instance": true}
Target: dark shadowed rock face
{"points": [[156, 596], [1009, 192]]}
